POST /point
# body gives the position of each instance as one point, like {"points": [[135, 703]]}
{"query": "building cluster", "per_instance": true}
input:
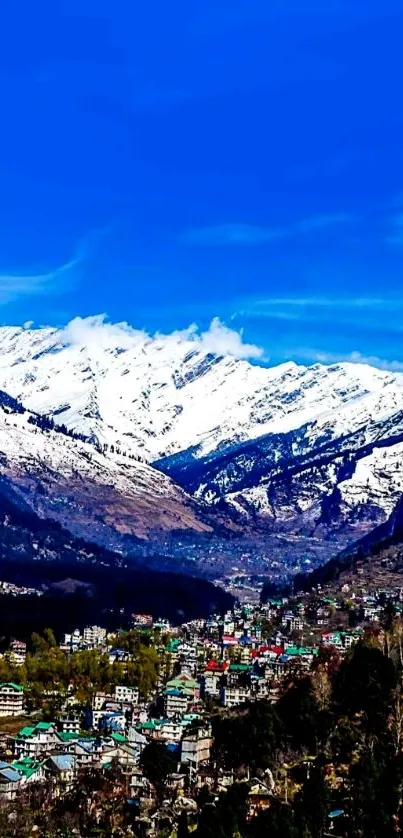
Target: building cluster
{"points": [[92, 637], [9, 589], [246, 655]]}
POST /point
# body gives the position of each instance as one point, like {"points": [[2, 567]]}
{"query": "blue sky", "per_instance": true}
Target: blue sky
{"points": [[168, 163]]}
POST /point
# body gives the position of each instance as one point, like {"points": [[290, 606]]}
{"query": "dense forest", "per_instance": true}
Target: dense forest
{"points": [[332, 744], [83, 583]]}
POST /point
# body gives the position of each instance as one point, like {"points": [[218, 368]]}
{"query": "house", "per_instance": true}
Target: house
{"points": [[259, 797], [69, 725], [104, 705], [136, 739], [122, 753], [10, 780], [72, 641], [118, 656], [238, 673], [34, 741], [87, 753], [341, 639], [171, 730], [177, 701], [139, 785], [63, 768], [185, 681], [110, 708], [292, 622], [17, 652], [211, 678], [129, 695], [31, 770], [142, 620], [94, 636], [232, 696], [196, 746], [11, 699], [332, 638]]}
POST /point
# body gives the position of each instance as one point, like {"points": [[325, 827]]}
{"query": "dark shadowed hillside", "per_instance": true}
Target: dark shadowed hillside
{"points": [[374, 561], [82, 583]]}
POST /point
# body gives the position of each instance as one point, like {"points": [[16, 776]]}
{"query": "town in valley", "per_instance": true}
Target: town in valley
{"points": [[131, 732]]}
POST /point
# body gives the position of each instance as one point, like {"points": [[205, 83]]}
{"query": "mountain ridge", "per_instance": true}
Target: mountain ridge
{"points": [[306, 454]]}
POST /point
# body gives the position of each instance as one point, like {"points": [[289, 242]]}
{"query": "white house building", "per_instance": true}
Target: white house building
{"points": [[11, 699]]}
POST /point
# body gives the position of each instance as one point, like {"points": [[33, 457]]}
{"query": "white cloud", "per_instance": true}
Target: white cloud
{"points": [[222, 340], [84, 331], [355, 357], [218, 338]]}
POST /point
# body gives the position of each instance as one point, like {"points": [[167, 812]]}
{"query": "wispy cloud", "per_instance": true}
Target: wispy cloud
{"points": [[264, 305], [234, 233], [355, 357], [361, 311], [13, 285], [218, 339]]}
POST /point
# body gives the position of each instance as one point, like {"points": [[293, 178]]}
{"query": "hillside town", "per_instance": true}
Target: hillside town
{"points": [[56, 733]]}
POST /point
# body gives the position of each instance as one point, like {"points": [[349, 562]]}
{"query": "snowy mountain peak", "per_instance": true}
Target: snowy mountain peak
{"points": [[159, 396], [305, 449]]}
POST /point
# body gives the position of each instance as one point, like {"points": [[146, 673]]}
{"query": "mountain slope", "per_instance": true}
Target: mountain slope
{"points": [[102, 496], [308, 453], [169, 395], [376, 560], [82, 583]]}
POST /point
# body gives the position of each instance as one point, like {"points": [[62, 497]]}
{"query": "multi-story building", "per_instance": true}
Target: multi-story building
{"points": [[196, 746], [69, 725], [11, 699], [292, 622], [33, 741], [232, 696], [72, 641], [17, 652], [129, 695], [212, 676], [176, 702], [94, 636]]}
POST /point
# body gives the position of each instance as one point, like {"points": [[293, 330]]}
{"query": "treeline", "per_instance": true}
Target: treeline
{"points": [[83, 593], [332, 744], [47, 423]]}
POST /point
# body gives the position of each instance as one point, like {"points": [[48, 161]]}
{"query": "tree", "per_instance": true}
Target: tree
{"points": [[365, 685], [247, 738], [301, 715], [226, 818], [375, 794], [157, 763], [183, 828], [277, 822], [50, 638], [312, 804]]}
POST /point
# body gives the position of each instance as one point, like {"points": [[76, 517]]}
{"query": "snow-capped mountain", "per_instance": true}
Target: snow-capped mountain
{"points": [[312, 451], [164, 395], [105, 497]]}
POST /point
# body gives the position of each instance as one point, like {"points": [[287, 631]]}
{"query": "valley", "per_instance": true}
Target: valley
{"points": [[198, 461]]}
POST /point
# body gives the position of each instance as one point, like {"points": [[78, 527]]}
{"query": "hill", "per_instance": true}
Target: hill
{"points": [[83, 583]]}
